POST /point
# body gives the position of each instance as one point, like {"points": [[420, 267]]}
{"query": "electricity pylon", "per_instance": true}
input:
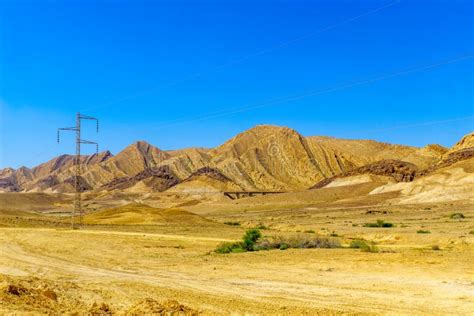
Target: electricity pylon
{"points": [[77, 163]]}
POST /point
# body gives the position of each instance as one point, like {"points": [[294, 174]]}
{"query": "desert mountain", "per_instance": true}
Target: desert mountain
{"points": [[269, 157], [467, 142], [262, 158]]}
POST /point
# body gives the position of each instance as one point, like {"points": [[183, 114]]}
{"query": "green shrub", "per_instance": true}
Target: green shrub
{"points": [[250, 238], [334, 234], [310, 231], [457, 216], [435, 247], [247, 244], [471, 232], [358, 244], [284, 247], [421, 231], [238, 249], [232, 223], [228, 247], [363, 245], [379, 223]]}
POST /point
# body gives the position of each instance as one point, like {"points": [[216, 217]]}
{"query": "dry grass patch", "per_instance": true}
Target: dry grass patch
{"points": [[457, 216], [422, 231], [380, 223], [364, 245]]}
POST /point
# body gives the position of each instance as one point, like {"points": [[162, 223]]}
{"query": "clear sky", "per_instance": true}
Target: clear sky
{"points": [[157, 70]]}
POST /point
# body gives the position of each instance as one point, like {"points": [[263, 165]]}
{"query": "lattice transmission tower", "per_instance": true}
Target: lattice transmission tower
{"points": [[77, 163]]}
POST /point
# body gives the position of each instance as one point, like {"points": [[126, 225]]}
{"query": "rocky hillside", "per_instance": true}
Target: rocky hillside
{"points": [[48, 175], [465, 143], [363, 152], [262, 158], [404, 171]]}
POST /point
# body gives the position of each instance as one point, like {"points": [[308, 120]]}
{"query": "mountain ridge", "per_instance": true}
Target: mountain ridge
{"points": [[265, 157]]}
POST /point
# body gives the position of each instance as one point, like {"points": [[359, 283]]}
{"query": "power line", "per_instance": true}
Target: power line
{"points": [[244, 58], [311, 93], [419, 124]]}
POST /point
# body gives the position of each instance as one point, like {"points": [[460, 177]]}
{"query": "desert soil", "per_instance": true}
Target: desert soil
{"points": [[139, 269]]}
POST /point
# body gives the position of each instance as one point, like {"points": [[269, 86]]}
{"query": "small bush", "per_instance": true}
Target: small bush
{"points": [[358, 244], [471, 232], [238, 249], [310, 231], [250, 238], [379, 223], [457, 216], [228, 247], [421, 231], [435, 247], [334, 234], [363, 245], [247, 243], [284, 247], [261, 226], [232, 223]]}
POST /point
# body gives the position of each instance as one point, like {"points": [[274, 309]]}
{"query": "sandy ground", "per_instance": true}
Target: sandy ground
{"points": [[122, 266]]}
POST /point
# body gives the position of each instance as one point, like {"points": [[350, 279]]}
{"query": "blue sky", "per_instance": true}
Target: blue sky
{"points": [[156, 70]]}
